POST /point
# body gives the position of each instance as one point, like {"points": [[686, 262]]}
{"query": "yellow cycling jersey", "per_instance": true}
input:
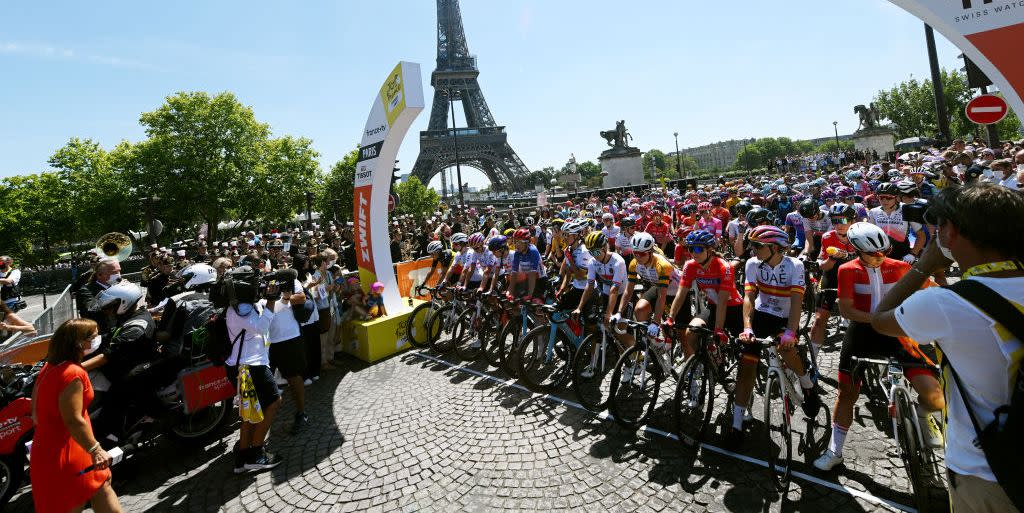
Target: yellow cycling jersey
{"points": [[659, 272]]}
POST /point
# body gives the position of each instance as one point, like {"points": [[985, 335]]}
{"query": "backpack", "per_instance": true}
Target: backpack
{"points": [[213, 337], [1002, 441]]}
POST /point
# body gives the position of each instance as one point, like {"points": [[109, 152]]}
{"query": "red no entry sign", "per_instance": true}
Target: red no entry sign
{"points": [[986, 109]]}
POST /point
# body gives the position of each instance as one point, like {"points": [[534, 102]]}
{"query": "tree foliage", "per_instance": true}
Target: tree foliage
{"points": [[416, 199]]}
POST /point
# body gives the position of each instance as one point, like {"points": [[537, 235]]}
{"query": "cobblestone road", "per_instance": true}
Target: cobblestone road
{"points": [[418, 434]]}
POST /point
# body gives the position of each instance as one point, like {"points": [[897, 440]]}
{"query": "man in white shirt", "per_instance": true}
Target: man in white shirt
{"points": [[984, 354], [287, 348], [9, 278]]}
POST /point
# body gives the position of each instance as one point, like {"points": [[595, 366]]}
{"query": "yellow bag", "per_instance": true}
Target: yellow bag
{"points": [[248, 403]]}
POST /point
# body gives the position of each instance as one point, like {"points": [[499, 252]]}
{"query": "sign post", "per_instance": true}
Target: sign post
{"points": [[986, 109], [397, 104]]}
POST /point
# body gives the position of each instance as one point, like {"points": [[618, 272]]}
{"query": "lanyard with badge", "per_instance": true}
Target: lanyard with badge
{"points": [[993, 267]]}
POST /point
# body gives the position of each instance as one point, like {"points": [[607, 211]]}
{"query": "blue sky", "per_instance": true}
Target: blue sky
{"points": [[554, 72]]}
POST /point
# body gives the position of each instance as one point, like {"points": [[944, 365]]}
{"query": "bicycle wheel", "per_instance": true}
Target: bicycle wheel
{"points": [[439, 328], [601, 357], [543, 368], [507, 341], [777, 416], [416, 331], [911, 451], [465, 338], [632, 402], [694, 399], [490, 331]]}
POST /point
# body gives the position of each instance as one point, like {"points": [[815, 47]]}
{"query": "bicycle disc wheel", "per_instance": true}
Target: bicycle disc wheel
{"points": [[632, 402], [593, 391], [465, 337], [440, 325], [416, 327], [544, 364], [911, 451], [694, 400], [779, 442]]}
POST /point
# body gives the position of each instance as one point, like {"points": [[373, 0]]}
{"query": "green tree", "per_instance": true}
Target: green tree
{"points": [[750, 157], [416, 199], [830, 146]]}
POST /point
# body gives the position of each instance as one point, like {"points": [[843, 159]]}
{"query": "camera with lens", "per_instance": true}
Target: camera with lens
{"points": [[238, 285], [272, 283], [917, 212]]}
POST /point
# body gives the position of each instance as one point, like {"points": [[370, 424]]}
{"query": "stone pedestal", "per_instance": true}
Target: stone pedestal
{"points": [[880, 139], [621, 168]]}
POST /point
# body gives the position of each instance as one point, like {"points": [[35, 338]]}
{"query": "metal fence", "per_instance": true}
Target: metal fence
{"points": [[62, 309]]}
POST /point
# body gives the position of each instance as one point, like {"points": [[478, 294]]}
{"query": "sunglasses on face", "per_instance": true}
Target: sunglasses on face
{"points": [[757, 245], [840, 220], [876, 254], [596, 252], [886, 197], [696, 250]]}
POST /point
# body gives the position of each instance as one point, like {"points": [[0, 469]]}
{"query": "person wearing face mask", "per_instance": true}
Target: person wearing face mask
{"points": [[9, 278], [64, 443], [106, 273], [982, 355], [1004, 174]]}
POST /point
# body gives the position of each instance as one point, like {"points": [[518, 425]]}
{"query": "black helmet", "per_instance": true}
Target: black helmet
{"points": [[808, 208], [742, 208], [758, 216], [842, 211], [887, 188]]}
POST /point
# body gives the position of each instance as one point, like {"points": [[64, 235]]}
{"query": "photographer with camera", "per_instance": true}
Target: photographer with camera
{"points": [[248, 319], [978, 325], [287, 348]]}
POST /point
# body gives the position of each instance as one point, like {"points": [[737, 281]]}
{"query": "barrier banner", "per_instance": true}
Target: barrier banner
{"points": [[988, 31], [398, 103], [411, 273]]}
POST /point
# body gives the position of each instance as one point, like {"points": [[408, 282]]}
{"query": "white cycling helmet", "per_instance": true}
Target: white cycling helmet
{"points": [[906, 187], [867, 237], [460, 238], [574, 226], [642, 242], [435, 247], [125, 294], [197, 275], [607, 216]]}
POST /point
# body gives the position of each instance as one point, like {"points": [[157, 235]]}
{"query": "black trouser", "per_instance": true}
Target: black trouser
{"points": [[311, 339]]}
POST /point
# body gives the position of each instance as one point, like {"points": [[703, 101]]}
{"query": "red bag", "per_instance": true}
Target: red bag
{"points": [[204, 386]]}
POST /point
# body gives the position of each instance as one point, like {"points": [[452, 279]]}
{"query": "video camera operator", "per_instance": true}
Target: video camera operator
{"points": [[977, 325]]}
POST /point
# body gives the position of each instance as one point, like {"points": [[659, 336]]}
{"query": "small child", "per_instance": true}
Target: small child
{"points": [[375, 301]]}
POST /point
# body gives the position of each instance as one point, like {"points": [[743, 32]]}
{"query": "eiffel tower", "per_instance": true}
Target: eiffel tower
{"points": [[481, 144]]}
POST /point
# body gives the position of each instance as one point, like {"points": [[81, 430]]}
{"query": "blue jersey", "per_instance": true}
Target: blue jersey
{"points": [[528, 261], [796, 221]]}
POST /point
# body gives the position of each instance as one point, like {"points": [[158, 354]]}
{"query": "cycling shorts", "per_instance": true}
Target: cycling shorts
{"points": [[733, 318], [862, 341], [764, 325]]}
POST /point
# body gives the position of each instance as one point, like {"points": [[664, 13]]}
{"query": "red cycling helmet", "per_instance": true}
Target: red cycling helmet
{"points": [[521, 234]]}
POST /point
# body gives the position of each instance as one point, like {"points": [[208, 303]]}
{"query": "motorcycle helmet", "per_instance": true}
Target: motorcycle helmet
{"points": [[197, 275], [125, 295]]}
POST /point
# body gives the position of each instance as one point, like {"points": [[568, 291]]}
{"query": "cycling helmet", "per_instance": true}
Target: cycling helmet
{"points": [[125, 295], [497, 242], [628, 222], [854, 175], [842, 210], [197, 275], [888, 188], [574, 226], [759, 215], [521, 234], [818, 182], [508, 232], [688, 209], [700, 238], [476, 239], [844, 192], [808, 208], [459, 238], [769, 234], [595, 240], [783, 189], [435, 247], [703, 206], [868, 238], [642, 242], [557, 222], [529, 221], [797, 198], [907, 187], [742, 208], [827, 194], [716, 201], [894, 173], [871, 201], [607, 216]]}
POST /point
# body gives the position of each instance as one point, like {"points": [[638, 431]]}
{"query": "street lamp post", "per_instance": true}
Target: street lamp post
{"points": [[455, 134], [835, 126], [679, 162], [309, 210]]}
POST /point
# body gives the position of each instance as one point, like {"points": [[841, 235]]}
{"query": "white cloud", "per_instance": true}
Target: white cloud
{"points": [[44, 51]]}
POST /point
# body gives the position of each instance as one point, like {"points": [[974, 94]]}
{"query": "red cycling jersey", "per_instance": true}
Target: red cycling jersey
{"points": [[866, 285], [659, 230], [718, 276]]}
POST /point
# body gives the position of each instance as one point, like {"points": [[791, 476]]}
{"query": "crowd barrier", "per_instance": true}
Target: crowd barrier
{"points": [[62, 309]]}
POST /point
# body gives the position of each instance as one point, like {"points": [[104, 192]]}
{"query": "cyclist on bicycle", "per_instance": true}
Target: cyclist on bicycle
{"points": [[660, 279], [610, 231], [889, 217], [757, 216], [716, 277], [606, 269], [497, 265], [862, 283], [816, 224], [526, 277], [574, 267], [835, 250], [623, 246], [461, 251], [772, 305], [473, 275], [442, 259]]}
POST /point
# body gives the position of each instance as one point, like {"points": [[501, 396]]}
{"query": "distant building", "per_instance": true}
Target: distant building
{"points": [[719, 155]]}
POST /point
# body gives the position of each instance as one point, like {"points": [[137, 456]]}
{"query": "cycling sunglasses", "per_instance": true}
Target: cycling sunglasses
{"points": [[596, 252], [841, 220], [886, 197], [696, 250], [757, 245], [877, 254]]}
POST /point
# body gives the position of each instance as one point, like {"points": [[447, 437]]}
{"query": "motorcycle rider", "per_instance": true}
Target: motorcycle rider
{"points": [[130, 343]]}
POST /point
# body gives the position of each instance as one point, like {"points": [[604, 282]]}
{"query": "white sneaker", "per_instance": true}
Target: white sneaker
{"points": [[929, 428], [587, 372], [827, 461], [627, 375]]}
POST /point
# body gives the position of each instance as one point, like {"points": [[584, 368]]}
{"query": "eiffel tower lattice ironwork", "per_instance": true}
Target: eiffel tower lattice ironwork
{"points": [[481, 144]]}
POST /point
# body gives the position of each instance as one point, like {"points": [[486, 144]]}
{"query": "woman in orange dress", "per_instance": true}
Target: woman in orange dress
{"points": [[64, 444]]}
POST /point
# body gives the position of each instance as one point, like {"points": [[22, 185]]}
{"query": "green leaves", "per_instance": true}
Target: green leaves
{"points": [[415, 199]]}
